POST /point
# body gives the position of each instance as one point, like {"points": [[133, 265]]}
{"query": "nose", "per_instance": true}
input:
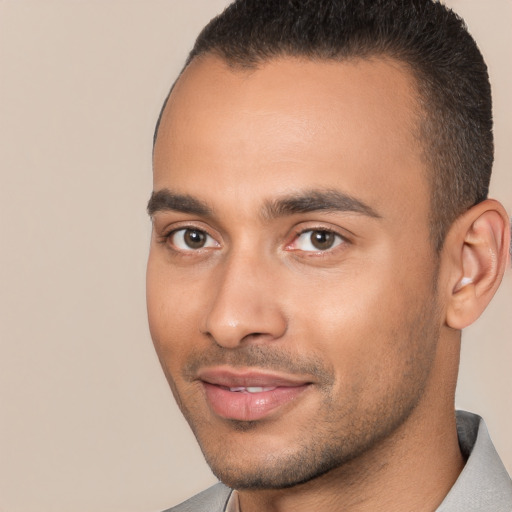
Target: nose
{"points": [[245, 307]]}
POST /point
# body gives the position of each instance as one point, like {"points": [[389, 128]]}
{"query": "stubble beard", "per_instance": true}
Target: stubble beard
{"points": [[321, 450], [328, 442]]}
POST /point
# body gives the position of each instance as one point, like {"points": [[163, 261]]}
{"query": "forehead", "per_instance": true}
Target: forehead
{"points": [[350, 125]]}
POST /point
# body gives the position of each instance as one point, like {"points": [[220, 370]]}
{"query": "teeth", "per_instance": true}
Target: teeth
{"points": [[258, 390], [251, 389]]}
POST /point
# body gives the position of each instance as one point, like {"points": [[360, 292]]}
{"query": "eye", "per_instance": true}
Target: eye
{"points": [[188, 239], [316, 240]]}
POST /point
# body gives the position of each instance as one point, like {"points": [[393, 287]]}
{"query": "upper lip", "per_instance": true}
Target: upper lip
{"points": [[229, 377]]}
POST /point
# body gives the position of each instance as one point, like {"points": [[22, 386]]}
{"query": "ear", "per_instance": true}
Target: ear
{"points": [[477, 251]]}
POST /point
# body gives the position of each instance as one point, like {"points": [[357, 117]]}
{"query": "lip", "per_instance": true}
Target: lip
{"points": [[227, 396]]}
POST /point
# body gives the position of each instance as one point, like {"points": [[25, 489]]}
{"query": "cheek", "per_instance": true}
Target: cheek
{"points": [[370, 324], [171, 308]]}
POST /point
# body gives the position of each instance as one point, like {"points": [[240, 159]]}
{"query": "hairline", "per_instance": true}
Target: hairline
{"points": [[421, 116]]}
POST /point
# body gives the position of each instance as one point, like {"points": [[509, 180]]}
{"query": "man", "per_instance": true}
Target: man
{"points": [[321, 235]]}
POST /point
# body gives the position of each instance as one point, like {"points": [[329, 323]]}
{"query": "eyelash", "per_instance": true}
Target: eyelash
{"points": [[167, 238], [339, 240]]}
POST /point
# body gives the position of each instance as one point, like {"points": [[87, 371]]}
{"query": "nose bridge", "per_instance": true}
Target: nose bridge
{"points": [[244, 306]]}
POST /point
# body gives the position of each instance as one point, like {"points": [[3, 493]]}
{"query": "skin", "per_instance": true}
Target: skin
{"points": [[361, 322]]}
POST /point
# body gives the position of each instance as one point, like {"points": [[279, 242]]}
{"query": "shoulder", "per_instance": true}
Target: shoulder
{"points": [[213, 499]]}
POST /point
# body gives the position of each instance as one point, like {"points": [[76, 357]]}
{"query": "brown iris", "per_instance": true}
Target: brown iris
{"points": [[322, 240], [194, 238]]}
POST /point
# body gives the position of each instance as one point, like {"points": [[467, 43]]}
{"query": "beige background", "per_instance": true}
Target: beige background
{"points": [[86, 420]]}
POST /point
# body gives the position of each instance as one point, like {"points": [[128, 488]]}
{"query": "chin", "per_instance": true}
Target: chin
{"points": [[255, 470]]}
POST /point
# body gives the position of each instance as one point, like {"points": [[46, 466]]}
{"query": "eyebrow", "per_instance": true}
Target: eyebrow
{"points": [[317, 200], [165, 200], [304, 202]]}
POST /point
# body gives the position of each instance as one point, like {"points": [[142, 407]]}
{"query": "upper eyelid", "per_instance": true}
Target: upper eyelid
{"points": [[172, 227], [312, 230], [164, 233], [343, 233], [343, 242], [167, 239], [173, 230], [303, 227]]}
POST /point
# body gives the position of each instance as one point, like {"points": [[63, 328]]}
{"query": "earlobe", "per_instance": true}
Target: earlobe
{"points": [[479, 245]]}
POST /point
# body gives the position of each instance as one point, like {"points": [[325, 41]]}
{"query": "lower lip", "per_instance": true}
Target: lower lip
{"points": [[244, 406]]}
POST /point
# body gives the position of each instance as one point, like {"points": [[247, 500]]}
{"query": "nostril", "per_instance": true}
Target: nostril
{"points": [[243, 308]]}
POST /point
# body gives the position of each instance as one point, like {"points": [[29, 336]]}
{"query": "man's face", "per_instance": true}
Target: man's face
{"points": [[291, 279]]}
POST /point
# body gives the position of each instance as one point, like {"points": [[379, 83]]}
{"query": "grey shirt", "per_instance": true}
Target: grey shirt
{"points": [[483, 485]]}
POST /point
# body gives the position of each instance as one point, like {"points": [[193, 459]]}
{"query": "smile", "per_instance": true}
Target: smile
{"points": [[249, 396], [250, 389]]}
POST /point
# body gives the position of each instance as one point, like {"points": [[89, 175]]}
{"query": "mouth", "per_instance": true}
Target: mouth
{"points": [[249, 395], [249, 389]]}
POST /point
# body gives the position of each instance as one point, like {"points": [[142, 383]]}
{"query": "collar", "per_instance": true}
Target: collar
{"points": [[483, 484]]}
